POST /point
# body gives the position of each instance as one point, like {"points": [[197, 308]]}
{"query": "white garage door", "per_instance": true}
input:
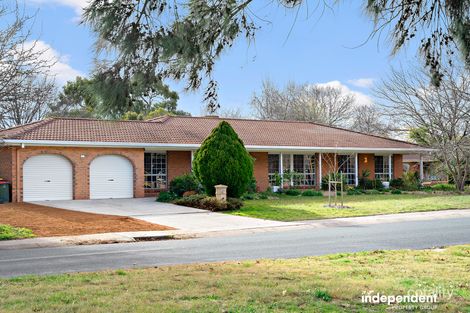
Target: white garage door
{"points": [[111, 176], [47, 177]]}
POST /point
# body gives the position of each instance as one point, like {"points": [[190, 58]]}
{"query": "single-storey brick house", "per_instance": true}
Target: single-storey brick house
{"points": [[69, 158]]}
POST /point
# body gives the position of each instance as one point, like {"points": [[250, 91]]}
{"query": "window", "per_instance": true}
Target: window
{"points": [[273, 168], [302, 165], [382, 167], [155, 171], [346, 165]]}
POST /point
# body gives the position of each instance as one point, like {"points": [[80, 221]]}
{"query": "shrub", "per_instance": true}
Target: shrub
{"points": [[353, 192], [378, 184], [223, 159], [166, 196], [263, 195], [248, 196], [234, 204], [443, 187], [252, 186], [210, 203], [191, 201], [189, 193], [180, 184], [396, 192], [292, 192], [312, 193], [396, 183], [411, 180]]}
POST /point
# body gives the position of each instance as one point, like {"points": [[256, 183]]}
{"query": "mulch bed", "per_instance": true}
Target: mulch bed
{"points": [[47, 222]]}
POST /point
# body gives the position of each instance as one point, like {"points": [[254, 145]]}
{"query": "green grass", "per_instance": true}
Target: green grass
{"points": [[8, 232], [289, 208], [332, 283]]}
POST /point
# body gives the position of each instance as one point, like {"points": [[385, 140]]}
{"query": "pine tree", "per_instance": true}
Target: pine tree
{"points": [[223, 159]]}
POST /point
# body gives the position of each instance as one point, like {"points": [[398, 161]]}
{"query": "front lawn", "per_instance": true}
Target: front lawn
{"points": [[294, 208], [8, 232], [333, 283]]}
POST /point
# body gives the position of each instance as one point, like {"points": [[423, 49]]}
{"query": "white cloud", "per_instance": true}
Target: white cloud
{"points": [[61, 70], [77, 5], [362, 82], [361, 98]]}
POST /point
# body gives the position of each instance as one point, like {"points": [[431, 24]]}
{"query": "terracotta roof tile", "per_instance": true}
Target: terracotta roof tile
{"points": [[193, 130]]}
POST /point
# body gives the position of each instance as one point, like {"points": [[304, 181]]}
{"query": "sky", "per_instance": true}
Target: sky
{"points": [[314, 46]]}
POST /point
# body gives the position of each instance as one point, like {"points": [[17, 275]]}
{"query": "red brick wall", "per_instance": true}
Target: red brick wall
{"points": [[366, 162], [81, 166], [6, 159], [260, 170], [397, 165], [179, 163]]}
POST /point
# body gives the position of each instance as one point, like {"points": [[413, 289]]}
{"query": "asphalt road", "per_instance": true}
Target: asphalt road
{"points": [[282, 244]]}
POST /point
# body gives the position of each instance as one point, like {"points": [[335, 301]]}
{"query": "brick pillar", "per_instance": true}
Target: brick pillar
{"points": [[397, 165], [260, 170]]}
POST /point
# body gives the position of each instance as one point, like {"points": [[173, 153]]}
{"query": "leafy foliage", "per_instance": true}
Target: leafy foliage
{"points": [[293, 192], [152, 40], [76, 99], [443, 187], [210, 203], [8, 232], [166, 196], [312, 193], [180, 184], [223, 159], [444, 27]]}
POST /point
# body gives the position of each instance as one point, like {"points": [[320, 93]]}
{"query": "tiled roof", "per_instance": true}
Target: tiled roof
{"points": [[193, 130]]}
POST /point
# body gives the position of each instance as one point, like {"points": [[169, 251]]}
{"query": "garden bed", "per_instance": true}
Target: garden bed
{"points": [[46, 221]]}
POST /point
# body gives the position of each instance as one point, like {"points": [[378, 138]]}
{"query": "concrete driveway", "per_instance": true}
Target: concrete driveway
{"points": [[180, 217]]}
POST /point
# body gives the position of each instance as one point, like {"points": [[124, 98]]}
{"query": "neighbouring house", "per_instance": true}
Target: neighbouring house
{"points": [[68, 158], [429, 168]]}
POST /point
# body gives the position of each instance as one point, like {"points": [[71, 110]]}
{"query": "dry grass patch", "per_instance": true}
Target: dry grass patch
{"points": [[331, 283], [46, 221]]}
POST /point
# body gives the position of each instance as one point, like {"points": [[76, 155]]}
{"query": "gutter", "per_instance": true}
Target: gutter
{"points": [[190, 147]]}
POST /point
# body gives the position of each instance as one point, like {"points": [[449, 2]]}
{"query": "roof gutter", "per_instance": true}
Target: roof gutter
{"points": [[170, 146]]}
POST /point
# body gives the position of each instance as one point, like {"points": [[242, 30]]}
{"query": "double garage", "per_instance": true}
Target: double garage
{"points": [[52, 177]]}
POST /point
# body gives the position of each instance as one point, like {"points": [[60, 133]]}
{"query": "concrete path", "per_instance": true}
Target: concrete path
{"points": [[179, 217]]}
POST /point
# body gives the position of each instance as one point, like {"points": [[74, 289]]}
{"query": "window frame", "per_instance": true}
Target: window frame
{"points": [[350, 167], [383, 174], [161, 179]]}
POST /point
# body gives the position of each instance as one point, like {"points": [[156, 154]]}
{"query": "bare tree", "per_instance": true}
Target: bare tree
{"points": [[230, 112], [323, 104], [25, 85], [441, 114], [370, 120]]}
